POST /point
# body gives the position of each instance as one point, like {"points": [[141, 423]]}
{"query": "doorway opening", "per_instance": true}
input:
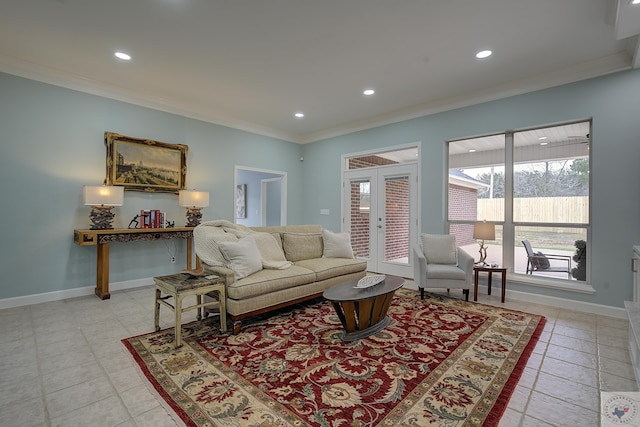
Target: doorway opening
{"points": [[262, 199]]}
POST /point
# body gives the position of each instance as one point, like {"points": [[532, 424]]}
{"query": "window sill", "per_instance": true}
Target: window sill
{"points": [[545, 282]]}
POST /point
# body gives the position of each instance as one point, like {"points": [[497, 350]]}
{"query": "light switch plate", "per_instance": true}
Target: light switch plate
{"points": [[324, 211]]}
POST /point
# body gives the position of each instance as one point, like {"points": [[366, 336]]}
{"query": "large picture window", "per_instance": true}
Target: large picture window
{"points": [[534, 186]]}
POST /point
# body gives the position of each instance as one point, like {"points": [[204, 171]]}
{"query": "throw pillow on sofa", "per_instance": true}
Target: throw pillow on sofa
{"points": [[336, 245], [271, 251], [299, 246], [243, 256]]}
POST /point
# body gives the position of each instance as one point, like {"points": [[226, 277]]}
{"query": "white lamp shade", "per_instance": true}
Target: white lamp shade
{"points": [[102, 195], [483, 230], [192, 198]]}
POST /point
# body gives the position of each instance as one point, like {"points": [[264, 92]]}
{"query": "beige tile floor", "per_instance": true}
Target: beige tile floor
{"points": [[62, 364]]}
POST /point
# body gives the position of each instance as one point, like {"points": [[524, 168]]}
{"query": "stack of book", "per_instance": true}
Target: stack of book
{"points": [[152, 219]]}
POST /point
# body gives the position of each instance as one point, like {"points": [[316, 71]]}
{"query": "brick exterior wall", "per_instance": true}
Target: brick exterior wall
{"points": [[462, 206]]}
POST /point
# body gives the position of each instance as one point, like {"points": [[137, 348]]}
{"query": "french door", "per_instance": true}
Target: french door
{"points": [[380, 211]]}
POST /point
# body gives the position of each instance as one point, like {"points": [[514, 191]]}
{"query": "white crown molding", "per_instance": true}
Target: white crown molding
{"points": [[610, 64], [93, 87], [574, 73]]}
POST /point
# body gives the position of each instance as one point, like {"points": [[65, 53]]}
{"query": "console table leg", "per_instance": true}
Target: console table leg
{"points": [[102, 276]]}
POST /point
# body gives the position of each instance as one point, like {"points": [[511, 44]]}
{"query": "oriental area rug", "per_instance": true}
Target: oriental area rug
{"points": [[441, 361]]}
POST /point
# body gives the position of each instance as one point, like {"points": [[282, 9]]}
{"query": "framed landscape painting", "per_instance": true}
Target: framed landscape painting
{"points": [[145, 165]]}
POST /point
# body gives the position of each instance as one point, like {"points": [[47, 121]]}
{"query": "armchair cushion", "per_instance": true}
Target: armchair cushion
{"points": [[440, 248]]}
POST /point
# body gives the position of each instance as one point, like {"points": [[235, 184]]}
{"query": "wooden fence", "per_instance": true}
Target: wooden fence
{"points": [[563, 210]]}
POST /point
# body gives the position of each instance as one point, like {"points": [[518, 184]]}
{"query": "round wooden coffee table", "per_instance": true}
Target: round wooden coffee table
{"points": [[363, 311]]}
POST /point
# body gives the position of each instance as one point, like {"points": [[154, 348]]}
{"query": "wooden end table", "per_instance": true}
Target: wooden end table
{"points": [[363, 311], [489, 269], [178, 286]]}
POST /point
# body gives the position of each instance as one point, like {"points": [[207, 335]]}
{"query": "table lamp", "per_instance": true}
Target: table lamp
{"points": [[102, 198], [194, 201], [483, 230]]}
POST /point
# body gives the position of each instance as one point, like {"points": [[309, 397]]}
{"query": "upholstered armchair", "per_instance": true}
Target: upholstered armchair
{"points": [[439, 263]]}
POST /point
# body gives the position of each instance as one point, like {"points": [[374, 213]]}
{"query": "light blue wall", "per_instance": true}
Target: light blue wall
{"points": [[51, 144], [614, 103]]}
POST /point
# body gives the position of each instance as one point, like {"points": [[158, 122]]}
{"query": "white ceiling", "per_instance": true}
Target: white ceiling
{"points": [[250, 64]]}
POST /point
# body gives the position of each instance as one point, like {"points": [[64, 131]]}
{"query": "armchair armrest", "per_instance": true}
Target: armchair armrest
{"points": [[465, 262], [419, 266]]}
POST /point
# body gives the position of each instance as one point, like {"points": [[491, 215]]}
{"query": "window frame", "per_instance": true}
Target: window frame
{"points": [[509, 225]]}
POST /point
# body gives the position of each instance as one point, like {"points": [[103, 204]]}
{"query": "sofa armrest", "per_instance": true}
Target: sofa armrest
{"points": [[224, 272], [419, 266]]}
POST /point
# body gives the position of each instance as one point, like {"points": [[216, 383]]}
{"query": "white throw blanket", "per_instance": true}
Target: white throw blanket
{"points": [[208, 234]]}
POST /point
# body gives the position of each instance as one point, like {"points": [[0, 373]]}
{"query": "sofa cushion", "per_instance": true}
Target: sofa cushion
{"points": [[326, 268], [336, 245], [299, 246], [242, 256], [270, 250], [440, 248], [266, 281]]}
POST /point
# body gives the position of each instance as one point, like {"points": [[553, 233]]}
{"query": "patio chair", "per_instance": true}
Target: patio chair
{"points": [[541, 262]]}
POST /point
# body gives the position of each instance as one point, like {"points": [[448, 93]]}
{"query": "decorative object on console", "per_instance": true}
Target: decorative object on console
{"points": [[194, 201], [102, 198], [483, 230]]}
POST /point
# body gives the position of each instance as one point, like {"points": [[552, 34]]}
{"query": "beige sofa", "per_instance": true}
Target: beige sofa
{"points": [[296, 263]]}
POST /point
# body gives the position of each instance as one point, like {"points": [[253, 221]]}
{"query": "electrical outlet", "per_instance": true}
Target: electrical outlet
{"points": [[173, 259]]}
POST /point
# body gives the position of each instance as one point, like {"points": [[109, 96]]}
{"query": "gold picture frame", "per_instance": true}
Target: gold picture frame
{"points": [[145, 165]]}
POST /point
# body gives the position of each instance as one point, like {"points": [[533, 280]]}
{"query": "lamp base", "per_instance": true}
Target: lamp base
{"points": [[101, 217], [483, 253], [194, 216]]}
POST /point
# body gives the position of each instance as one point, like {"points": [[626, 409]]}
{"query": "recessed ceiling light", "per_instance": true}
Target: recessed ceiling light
{"points": [[122, 55], [472, 150], [543, 143], [368, 92], [635, 1], [483, 54], [542, 138], [299, 115]]}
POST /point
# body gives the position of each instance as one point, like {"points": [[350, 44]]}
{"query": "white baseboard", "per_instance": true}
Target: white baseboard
{"points": [[70, 293], [586, 307]]}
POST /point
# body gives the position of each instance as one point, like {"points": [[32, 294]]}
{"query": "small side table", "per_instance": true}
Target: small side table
{"points": [[489, 269], [178, 286]]}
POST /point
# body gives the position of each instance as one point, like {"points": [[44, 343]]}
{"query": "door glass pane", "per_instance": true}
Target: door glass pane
{"points": [[558, 252], [360, 218], [396, 239], [551, 174]]}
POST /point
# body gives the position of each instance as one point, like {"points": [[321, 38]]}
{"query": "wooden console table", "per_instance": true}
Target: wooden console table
{"points": [[102, 239]]}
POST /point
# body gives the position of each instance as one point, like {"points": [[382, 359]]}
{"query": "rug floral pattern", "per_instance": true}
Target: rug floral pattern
{"points": [[441, 362]]}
